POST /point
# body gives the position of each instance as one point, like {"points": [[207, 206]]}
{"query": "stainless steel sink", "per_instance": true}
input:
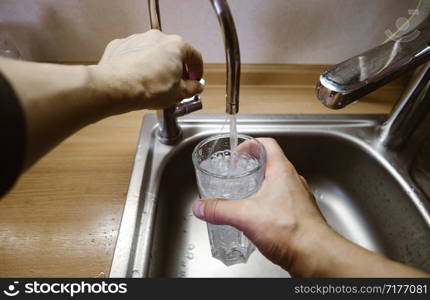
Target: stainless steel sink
{"points": [[364, 191]]}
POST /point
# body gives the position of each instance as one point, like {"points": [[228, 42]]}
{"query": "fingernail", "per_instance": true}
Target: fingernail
{"points": [[202, 82], [199, 209], [192, 76]]}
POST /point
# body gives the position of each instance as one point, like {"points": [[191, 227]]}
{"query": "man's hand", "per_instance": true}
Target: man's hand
{"points": [[150, 70], [276, 217], [284, 222]]}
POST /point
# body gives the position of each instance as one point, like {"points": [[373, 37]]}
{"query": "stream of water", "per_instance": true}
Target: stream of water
{"points": [[233, 133]]}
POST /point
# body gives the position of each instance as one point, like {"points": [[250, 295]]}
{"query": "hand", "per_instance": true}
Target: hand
{"points": [[283, 221], [147, 71], [278, 218]]}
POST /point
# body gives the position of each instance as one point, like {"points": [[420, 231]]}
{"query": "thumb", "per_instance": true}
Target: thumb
{"points": [[223, 212], [191, 88]]}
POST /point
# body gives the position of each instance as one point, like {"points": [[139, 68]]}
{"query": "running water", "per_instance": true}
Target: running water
{"points": [[233, 140], [233, 133]]}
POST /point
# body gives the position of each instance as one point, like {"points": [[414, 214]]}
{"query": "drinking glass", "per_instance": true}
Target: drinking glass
{"points": [[237, 175]]}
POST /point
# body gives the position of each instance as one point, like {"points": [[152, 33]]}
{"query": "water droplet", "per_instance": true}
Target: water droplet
{"points": [[189, 255], [183, 264], [191, 246]]}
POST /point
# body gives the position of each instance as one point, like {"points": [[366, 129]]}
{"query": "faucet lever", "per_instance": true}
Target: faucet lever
{"points": [[189, 105], [356, 77]]}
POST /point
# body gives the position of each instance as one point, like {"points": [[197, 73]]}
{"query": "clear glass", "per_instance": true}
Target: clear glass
{"points": [[221, 174]]}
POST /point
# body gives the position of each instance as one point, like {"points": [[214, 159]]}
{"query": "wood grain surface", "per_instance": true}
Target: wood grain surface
{"points": [[62, 217]]}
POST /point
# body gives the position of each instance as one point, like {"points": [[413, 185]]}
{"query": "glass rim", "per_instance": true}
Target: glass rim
{"points": [[227, 135]]}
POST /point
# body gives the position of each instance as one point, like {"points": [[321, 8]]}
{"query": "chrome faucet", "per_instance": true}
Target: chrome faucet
{"points": [[232, 54], [356, 77], [169, 131]]}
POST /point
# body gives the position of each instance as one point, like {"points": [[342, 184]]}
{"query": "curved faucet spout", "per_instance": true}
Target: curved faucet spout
{"points": [[154, 14], [232, 54]]}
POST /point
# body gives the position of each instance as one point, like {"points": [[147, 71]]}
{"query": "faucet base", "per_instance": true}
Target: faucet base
{"points": [[169, 140]]}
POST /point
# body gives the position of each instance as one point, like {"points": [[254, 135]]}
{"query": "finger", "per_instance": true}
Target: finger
{"points": [[250, 147], [190, 88], [193, 61], [304, 181], [223, 212]]}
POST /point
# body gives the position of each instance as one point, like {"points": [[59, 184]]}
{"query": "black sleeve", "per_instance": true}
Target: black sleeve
{"points": [[12, 136]]}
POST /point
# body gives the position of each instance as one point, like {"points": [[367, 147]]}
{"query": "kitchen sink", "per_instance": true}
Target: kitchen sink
{"points": [[364, 191]]}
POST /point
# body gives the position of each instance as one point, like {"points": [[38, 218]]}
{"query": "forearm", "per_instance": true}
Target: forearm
{"points": [[327, 254], [57, 101]]}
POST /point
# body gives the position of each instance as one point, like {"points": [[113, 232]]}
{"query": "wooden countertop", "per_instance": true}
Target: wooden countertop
{"points": [[63, 216]]}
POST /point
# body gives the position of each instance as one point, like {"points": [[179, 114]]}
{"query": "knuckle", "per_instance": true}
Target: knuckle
{"points": [[268, 140], [302, 178], [112, 43], [211, 211], [153, 34], [153, 31], [289, 168], [176, 39], [198, 54], [271, 141]]}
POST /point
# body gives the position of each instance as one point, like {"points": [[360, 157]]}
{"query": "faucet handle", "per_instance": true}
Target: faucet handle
{"points": [[189, 105]]}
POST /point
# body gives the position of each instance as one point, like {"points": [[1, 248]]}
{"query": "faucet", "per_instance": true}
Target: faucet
{"points": [[348, 81], [169, 131]]}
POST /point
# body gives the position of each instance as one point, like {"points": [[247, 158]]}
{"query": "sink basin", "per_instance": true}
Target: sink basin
{"points": [[364, 191]]}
